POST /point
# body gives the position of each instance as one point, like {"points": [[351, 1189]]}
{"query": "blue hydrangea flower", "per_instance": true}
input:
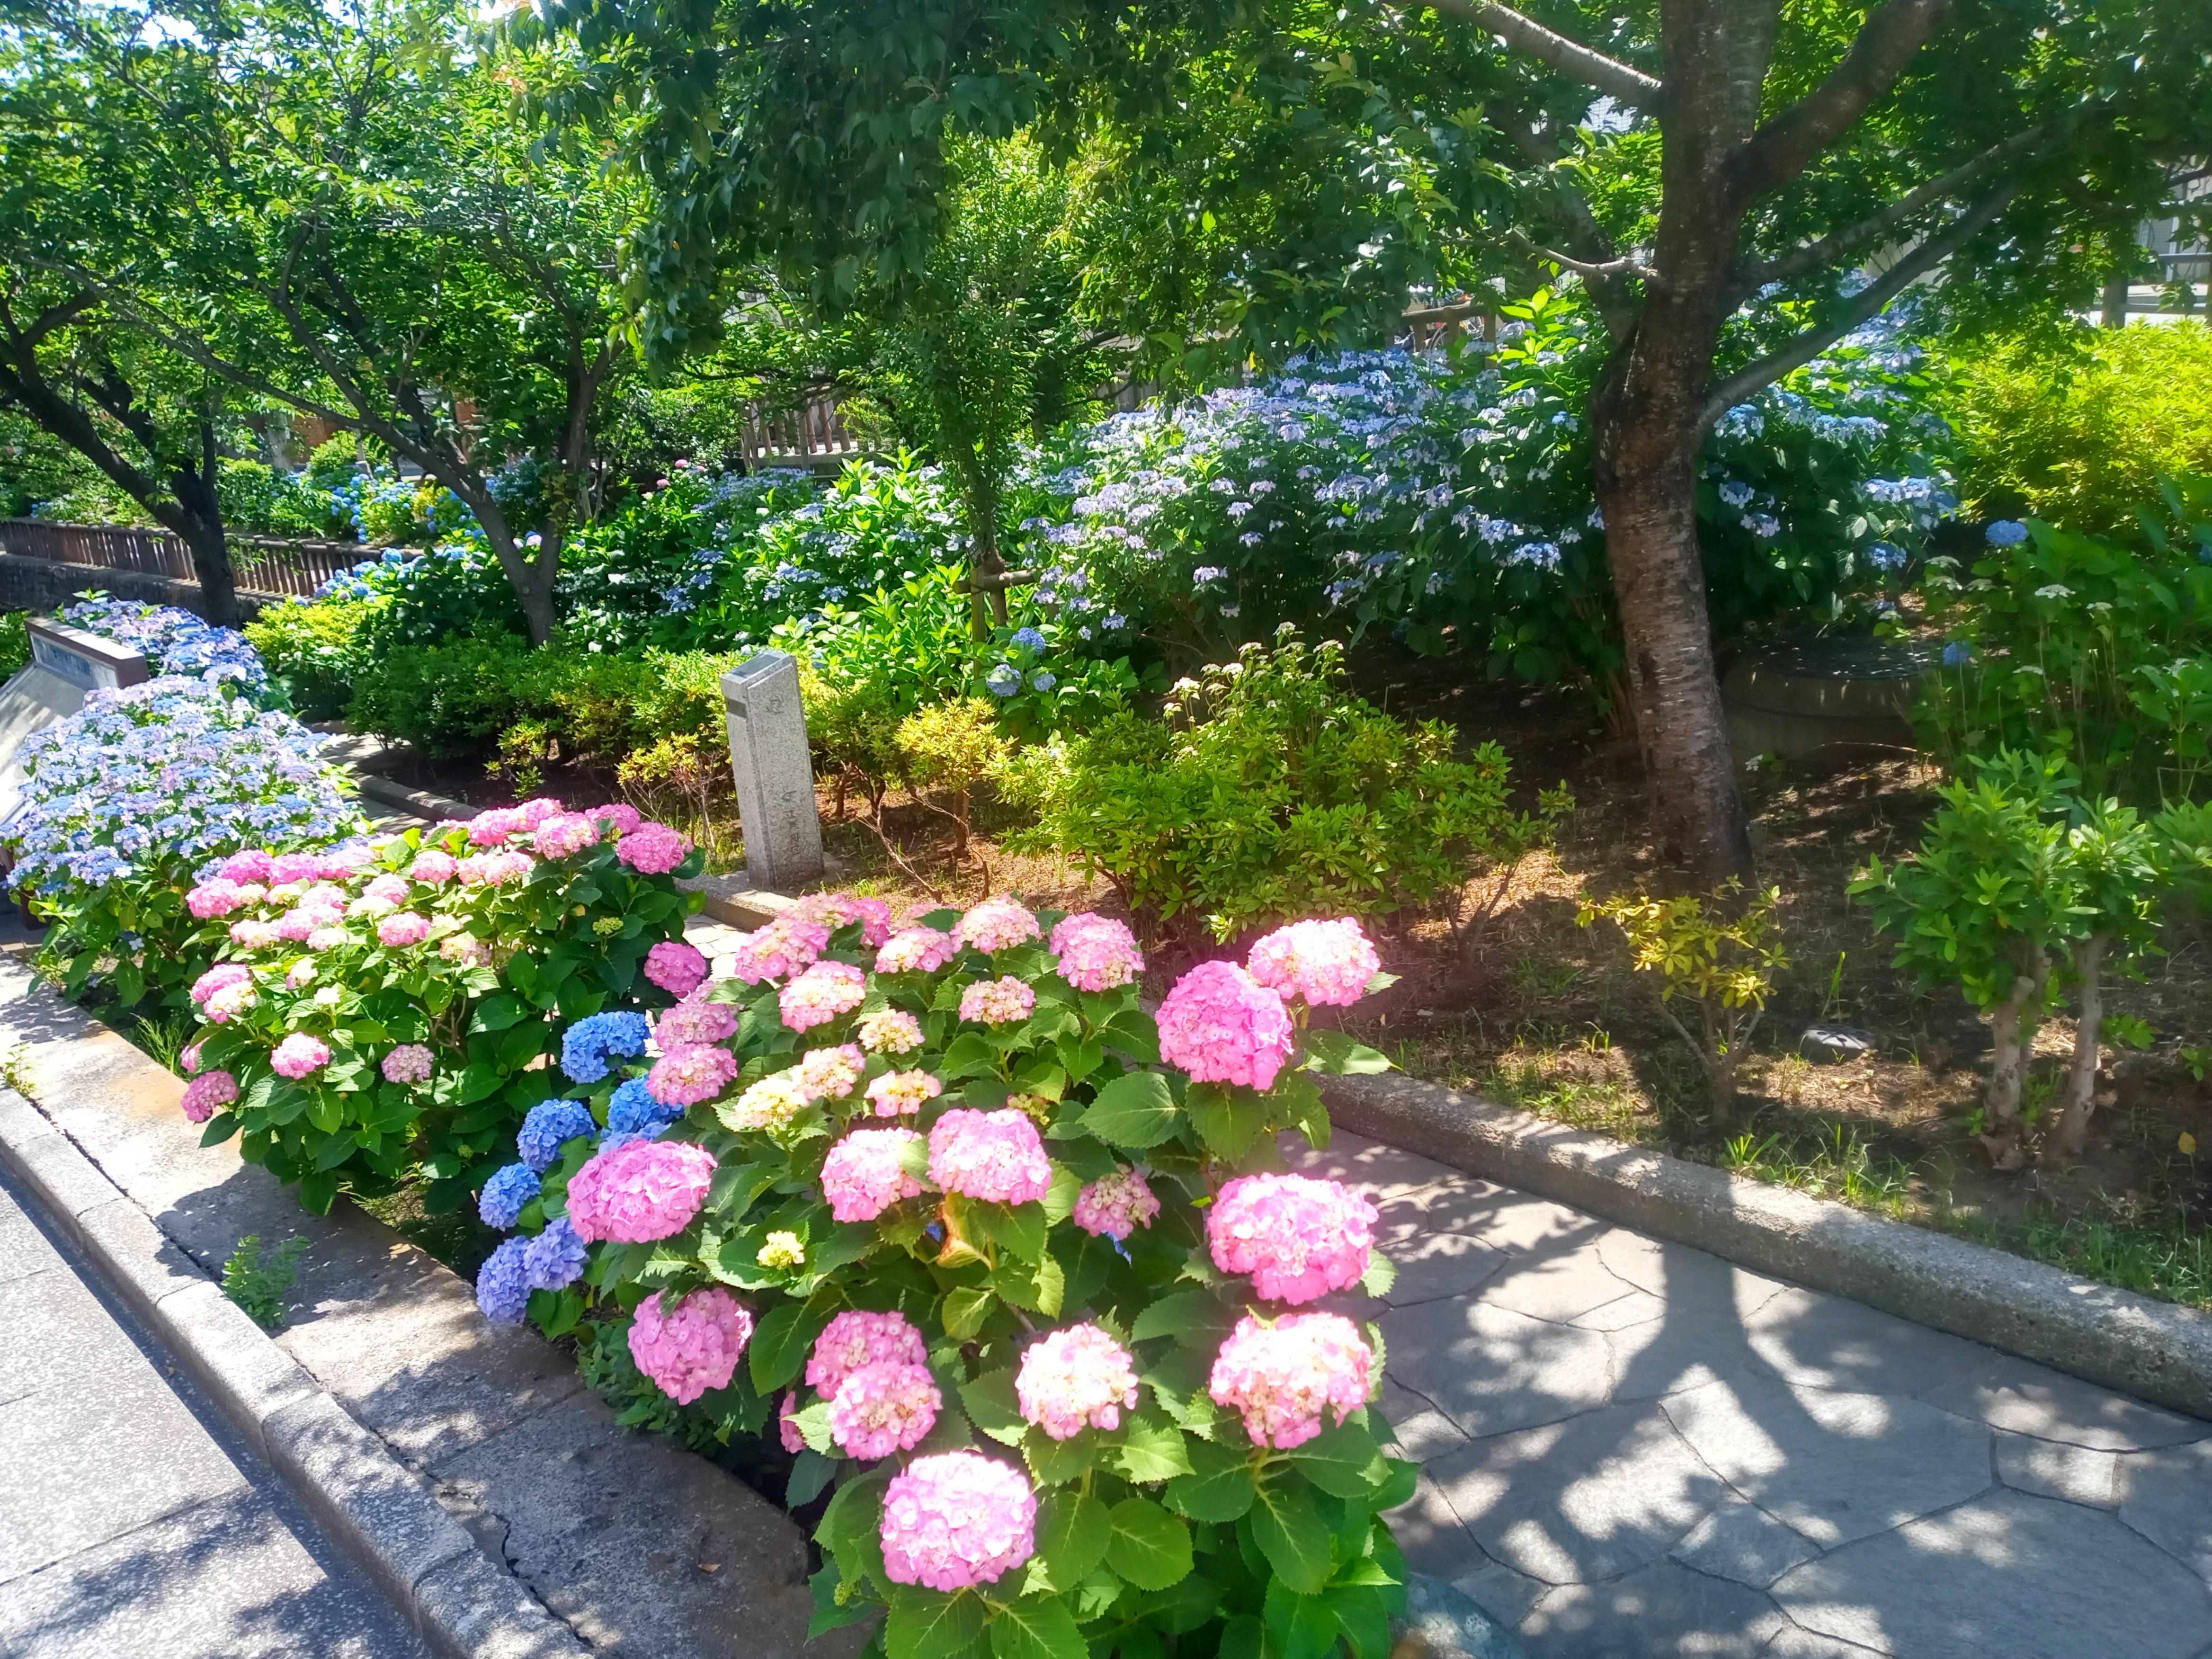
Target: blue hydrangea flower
{"points": [[1029, 639], [1043, 681], [503, 1293], [610, 1139], [1004, 680], [585, 1050], [555, 1258], [505, 1194], [2006, 532], [550, 1123], [635, 1111], [1958, 654]]}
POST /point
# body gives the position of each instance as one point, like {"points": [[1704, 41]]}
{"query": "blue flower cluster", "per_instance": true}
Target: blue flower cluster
{"points": [[635, 1111], [552, 1259], [171, 770], [500, 1203], [590, 1041], [173, 641], [549, 1125]]}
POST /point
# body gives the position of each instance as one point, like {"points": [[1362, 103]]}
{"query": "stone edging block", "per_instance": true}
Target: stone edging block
{"points": [[2155, 1351], [382, 1515]]}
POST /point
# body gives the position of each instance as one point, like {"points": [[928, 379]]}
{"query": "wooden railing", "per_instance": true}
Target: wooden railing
{"points": [[260, 564], [803, 437]]}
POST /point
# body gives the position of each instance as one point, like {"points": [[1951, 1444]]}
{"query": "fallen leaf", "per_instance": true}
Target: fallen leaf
{"points": [[2188, 1144], [710, 1566]]}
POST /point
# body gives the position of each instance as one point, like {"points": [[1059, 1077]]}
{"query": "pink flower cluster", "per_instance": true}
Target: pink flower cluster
{"points": [[433, 868], [1280, 1376], [1327, 963], [1221, 1025], [693, 1024], [1075, 1378], [251, 866], [915, 951], [831, 1073], [779, 950], [564, 834], [397, 931], [387, 889], [222, 976], [188, 1058], [640, 1191], [207, 1091], [821, 993], [300, 1055], [410, 1062], [957, 1519], [895, 1094], [623, 817], [694, 1349], [676, 968], [854, 1339], [883, 1407], [1113, 1207], [992, 1157], [835, 910], [685, 1077], [652, 849], [1096, 952], [996, 924], [862, 1177], [1299, 1238], [219, 898], [888, 1031], [252, 935], [997, 1001], [495, 869]]}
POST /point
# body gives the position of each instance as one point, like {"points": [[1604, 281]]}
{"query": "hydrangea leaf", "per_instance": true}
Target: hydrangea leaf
{"points": [[1147, 1545], [1036, 1627], [1073, 1530], [1135, 1110], [1292, 1534], [1220, 1486], [1343, 1460], [930, 1625]]}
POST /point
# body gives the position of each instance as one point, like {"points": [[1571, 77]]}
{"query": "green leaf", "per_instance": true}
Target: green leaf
{"points": [[1192, 1318], [928, 1625], [1241, 1638], [1150, 1449], [964, 1309], [813, 1423], [780, 1343], [1037, 1627], [1135, 1110], [1292, 1534], [1020, 1228], [1220, 1486], [1335, 1054], [1072, 1530], [1147, 1545], [497, 1013], [1382, 1274], [1055, 1462], [1228, 1120], [992, 1407], [1344, 1461], [1300, 1626]]}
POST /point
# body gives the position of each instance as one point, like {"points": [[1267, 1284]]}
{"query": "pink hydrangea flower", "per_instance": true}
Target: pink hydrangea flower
{"points": [[493, 828], [495, 869], [407, 927], [888, 1031], [778, 951], [434, 868], [883, 1408], [652, 849], [694, 1349], [342, 862], [252, 865], [232, 1000], [188, 1057], [564, 834], [1326, 962], [854, 1339], [301, 972], [771, 1103], [835, 910], [1075, 1378], [692, 1022], [624, 818], [958, 1520], [685, 1077], [295, 925], [387, 889], [365, 906], [997, 1001], [534, 813], [466, 949], [862, 1177], [1113, 1207], [786, 1423], [992, 1157], [222, 974], [328, 936], [676, 968], [895, 1094], [639, 1192], [207, 1091], [410, 1062], [996, 924], [1299, 1238], [821, 993], [1279, 1377], [299, 1056], [831, 1073], [1096, 952], [915, 951], [293, 866], [250, 935], [215, 898], [1221, 1025]]}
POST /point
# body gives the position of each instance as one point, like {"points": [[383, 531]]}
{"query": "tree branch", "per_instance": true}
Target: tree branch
{"points": [[1785, 146], [1618, 81], [1599, 271], [1826, 252], [1868, 304], [1584, 235]]}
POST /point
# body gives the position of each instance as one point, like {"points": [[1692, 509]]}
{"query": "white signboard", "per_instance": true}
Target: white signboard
{"points": [[66, 663]]}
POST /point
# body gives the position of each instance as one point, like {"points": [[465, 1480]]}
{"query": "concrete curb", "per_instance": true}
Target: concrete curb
{"points": [[2154, 1349], [421, 802], [379, 1514]]}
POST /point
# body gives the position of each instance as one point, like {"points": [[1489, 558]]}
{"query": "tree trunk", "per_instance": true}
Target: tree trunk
{"points": [[2116, 302], [2071, 1134], [532, 577], [2011, 1033], [201, 528]]}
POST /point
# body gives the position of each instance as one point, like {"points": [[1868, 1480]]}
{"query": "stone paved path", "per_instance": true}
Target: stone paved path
{"points": [[1636, 1449], [131, 1525]]}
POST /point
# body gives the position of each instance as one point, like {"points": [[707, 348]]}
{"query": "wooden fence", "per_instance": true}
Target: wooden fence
{"points": [[804, 437], [261, 564]]}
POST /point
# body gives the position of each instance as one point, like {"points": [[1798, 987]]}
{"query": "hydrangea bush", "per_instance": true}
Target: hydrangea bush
{"points": [[173, 641], [1010, 1262], [123, 801], [373, 1009]]}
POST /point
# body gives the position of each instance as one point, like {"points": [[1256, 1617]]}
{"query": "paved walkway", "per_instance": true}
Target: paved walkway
{"points": [[1636, 1449], [131, 1525]]}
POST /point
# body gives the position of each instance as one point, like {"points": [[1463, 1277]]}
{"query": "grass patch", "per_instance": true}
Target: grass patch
{"points": [[457, 1239]]}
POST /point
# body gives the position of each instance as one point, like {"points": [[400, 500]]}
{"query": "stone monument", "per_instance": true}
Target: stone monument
{"points": [[66, 663], [776, 810]]}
